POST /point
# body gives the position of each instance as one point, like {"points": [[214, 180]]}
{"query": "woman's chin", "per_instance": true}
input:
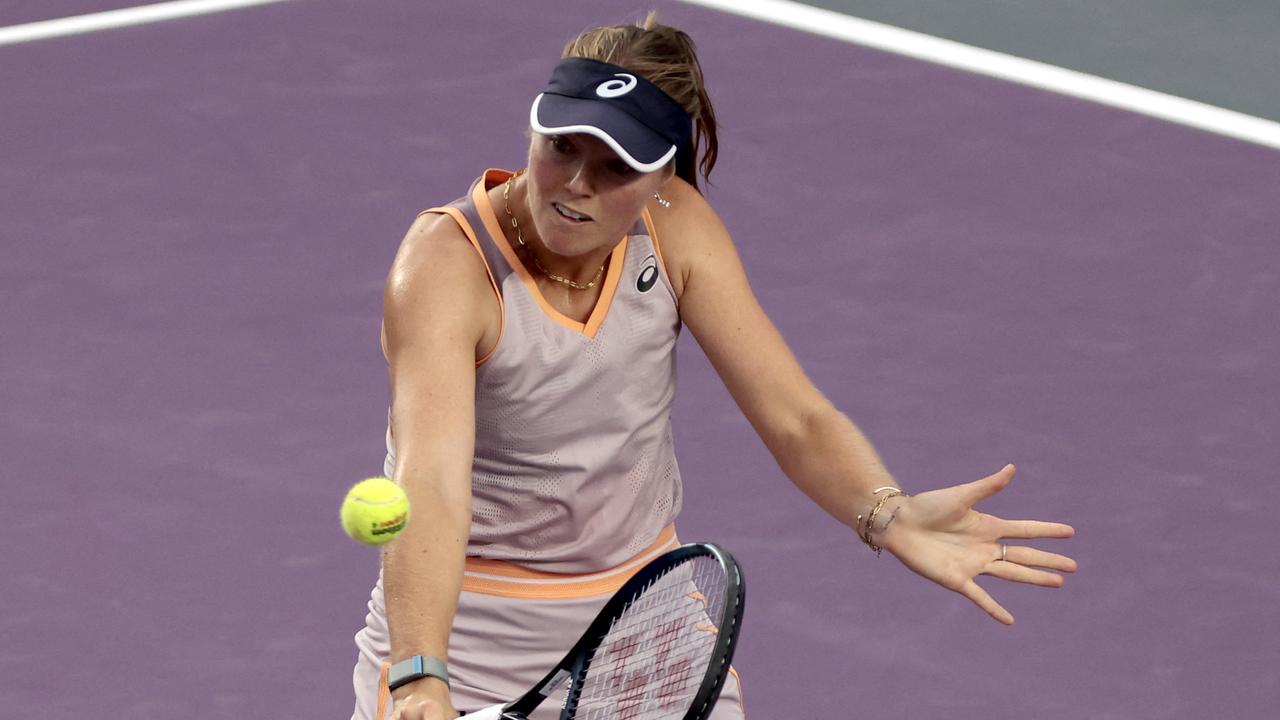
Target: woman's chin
{"points": [[573, 241]]}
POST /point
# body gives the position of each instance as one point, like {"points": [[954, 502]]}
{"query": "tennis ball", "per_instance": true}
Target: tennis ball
{"points": [[375, 511]]}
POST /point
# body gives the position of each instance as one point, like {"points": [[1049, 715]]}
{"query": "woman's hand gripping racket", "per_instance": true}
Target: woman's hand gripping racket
{"points": [[659, 649]]}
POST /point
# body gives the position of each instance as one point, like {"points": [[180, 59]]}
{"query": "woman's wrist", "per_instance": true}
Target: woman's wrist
{"points": [[429, 687], [888, 525], [876, 521]]}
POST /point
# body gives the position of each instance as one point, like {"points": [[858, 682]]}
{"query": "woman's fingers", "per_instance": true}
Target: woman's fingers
{"points": [[1032, 557], [979, 490], [418, 709], [983, 600], [1020, 573], [1030, 529]]}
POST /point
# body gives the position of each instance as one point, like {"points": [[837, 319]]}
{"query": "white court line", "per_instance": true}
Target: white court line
{"points": [[123, 17], [1006, 67]]}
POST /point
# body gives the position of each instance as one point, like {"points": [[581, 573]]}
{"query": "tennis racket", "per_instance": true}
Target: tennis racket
{"points": [[659, 649]]}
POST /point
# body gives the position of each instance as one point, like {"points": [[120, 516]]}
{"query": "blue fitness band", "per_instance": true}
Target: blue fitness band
{"points": [[416, 668]]}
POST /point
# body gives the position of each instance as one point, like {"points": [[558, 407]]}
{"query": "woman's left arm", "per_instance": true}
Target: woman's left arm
{"points": [[937, 534]]}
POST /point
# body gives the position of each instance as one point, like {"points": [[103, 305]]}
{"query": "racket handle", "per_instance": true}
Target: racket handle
{"points": [[493, 712]]}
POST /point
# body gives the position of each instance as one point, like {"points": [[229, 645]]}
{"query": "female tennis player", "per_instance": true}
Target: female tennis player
{"points": [[530, 329]]}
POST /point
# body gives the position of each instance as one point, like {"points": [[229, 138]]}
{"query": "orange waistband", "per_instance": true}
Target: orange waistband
{"points": [[506, 579]]}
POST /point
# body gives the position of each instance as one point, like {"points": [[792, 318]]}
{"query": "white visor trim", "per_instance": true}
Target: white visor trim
{"points": [[602, 135]]}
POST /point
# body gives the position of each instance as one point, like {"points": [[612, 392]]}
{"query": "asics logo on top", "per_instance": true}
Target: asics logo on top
{"points": [[648, 276], [616, 88]]}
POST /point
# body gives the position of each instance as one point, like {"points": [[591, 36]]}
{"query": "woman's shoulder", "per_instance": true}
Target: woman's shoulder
{"points": [[687, 215], [683, 198], [432, 238], [437, 273], [685, 228]]}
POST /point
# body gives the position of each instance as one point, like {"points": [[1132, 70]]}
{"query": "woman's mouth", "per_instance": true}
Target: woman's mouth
{"points": [[571, 215]]}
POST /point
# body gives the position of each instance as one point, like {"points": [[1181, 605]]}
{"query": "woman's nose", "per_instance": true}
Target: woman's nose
{"points": [[580, 180]]}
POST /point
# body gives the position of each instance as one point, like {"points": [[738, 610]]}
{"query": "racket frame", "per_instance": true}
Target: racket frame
{"points": [[577, 662]]}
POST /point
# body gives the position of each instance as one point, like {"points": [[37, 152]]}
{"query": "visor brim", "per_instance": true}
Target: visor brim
{"points": [[638, 146]]}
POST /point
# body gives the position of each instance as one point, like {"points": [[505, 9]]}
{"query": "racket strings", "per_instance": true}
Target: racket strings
{"points": [[652, 662]]}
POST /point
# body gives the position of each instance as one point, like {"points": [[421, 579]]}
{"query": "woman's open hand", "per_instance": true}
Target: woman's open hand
{"points": [[939, 535]]}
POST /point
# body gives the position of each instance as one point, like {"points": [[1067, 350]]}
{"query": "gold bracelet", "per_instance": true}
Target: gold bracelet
{"points": [[871, 519], [857, 522]]}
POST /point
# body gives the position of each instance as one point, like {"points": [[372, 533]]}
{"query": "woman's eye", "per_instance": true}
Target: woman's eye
{"points": [[619, 167], [560, 145]]}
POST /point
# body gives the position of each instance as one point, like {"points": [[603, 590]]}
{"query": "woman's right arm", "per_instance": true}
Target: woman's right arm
{"points": [[436, 305]]}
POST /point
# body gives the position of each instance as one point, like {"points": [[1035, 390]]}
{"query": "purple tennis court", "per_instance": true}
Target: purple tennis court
{"points": [[199, 218]]}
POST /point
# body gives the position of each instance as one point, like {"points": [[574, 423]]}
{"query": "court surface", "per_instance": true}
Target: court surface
{"points": [[199, 215]]}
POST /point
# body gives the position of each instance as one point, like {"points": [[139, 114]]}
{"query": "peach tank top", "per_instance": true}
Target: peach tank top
{"points": [[574, 468]]}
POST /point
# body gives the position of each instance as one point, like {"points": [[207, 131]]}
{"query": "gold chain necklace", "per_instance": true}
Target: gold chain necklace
{"points": [[506, 202]]}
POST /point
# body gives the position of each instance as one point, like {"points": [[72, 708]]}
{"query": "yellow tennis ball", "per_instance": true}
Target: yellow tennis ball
{"points": [[375, 511]]}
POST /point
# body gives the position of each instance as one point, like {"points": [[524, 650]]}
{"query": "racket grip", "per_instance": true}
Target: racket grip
{"points": [[493, 712]]}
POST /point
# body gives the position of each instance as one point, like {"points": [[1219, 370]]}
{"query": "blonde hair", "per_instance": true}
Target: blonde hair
{"points": [[665, 56]]}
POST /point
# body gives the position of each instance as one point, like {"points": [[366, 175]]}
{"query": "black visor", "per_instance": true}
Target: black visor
{"points": [[642, 124]]}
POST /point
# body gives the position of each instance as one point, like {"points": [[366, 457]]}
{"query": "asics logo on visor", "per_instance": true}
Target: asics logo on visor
{"points": [[616, 88]]}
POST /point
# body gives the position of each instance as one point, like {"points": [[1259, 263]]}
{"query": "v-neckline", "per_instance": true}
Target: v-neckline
{"points": [[484, 208]]}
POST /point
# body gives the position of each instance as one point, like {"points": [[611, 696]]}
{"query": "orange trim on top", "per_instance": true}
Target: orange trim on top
{"points": [[384, 693], [480, 195], [657, 247], [470, 232], [742, 700], [505, 579], [616, 260]]}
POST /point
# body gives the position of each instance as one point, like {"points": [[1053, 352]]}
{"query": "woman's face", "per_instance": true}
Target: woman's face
{"points": [[582, 196]]}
